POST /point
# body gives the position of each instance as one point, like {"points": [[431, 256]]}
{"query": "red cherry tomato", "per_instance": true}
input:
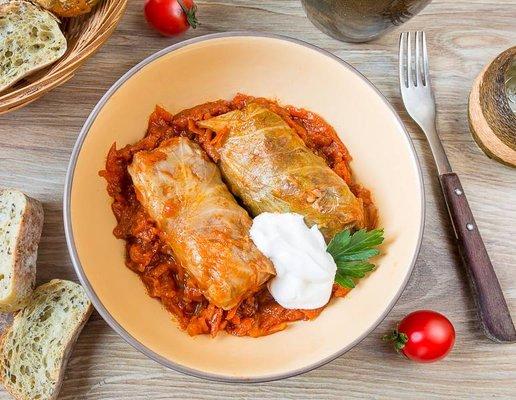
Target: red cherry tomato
{"points": [[171, 17], [424, 336]]}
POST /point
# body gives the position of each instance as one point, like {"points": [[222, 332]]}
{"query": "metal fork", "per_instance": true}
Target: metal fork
{"points": [[419, 101]]}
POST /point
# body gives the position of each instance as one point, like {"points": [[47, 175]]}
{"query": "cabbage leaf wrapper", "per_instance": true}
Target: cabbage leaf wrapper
{"points": [[207, 230], [268, 166]]}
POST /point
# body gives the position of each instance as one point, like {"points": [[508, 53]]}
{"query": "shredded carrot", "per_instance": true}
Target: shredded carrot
{"points": [[149, 256]]}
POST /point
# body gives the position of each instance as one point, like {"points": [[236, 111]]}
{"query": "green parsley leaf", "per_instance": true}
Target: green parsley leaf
{"points": [[346, 244], [355, 269], [350, 252], [357, 255], [344, 280]]}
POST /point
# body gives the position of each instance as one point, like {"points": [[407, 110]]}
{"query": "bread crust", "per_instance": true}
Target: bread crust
{"points": [[70, 341], [25, 255], [68, 8]]}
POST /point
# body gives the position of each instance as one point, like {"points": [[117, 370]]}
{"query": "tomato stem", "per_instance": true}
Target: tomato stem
{"points": [[399, 339], [191, 16]]}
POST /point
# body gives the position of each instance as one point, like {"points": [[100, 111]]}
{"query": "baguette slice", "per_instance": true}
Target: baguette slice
{"points": [[36, 347], [30, 39], [21, 222]]}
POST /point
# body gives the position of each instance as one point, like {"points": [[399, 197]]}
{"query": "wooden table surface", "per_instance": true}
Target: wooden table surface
{"points": [[36, 142]]}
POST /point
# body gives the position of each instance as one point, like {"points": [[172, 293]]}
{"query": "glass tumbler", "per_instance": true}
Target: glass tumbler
{"points": [[360, 20]]}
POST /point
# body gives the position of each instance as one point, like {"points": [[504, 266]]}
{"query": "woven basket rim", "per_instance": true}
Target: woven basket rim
{"points": [[96, 27]]}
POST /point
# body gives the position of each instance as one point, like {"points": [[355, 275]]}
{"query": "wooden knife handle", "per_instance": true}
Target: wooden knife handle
{"points": [[491, 306]]}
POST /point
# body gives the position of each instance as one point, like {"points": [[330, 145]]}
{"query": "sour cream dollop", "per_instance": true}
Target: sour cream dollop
{"points": [[304, 270]]}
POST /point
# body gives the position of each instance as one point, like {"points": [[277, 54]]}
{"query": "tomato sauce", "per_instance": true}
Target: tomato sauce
{"points": [[151, 258]]}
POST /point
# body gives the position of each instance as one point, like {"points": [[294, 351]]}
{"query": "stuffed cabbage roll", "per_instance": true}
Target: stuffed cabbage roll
{"points": [[269, 167], [200, 220]]}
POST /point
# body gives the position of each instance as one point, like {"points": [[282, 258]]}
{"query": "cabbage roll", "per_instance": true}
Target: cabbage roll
{"points": [[267, 165], [208, 232]]}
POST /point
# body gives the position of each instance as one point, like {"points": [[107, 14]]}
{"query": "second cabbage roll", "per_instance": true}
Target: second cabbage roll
{"points": [[269, 167], [182, 191]]}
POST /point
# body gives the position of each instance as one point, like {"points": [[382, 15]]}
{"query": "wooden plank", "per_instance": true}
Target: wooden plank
{"points": [[36, 142]]}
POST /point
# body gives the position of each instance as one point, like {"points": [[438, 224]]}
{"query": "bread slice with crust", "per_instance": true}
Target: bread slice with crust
{"points": [[21, 222], [35, 349], [30, 39]]}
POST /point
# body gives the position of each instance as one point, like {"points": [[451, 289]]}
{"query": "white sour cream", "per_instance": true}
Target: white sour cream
{"points": [[304, 270]]}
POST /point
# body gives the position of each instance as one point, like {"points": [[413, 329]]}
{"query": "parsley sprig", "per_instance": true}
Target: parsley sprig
{"points": [[351, 252]]}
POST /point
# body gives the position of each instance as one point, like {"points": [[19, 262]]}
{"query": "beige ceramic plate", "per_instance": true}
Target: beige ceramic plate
{"points": [[214, 67]]}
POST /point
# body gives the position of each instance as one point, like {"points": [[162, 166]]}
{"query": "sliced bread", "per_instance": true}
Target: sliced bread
{"points": [[21, 222], [30, 39], [34, 350]]}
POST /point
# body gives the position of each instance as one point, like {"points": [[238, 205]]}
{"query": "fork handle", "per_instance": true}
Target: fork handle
{"points": [[491, 306]]}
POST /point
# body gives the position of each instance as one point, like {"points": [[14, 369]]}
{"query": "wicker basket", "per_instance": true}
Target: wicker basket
{"points": [[85, 34]]}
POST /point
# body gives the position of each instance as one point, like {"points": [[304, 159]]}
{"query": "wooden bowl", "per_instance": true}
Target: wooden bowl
{"points": [[261, 65], [85, 34]]}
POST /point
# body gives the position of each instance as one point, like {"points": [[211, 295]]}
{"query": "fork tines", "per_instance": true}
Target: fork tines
{"points": [[413, 60]]}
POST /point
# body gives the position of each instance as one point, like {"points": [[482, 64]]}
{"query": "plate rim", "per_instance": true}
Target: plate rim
{"points": [[91, 292]]}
